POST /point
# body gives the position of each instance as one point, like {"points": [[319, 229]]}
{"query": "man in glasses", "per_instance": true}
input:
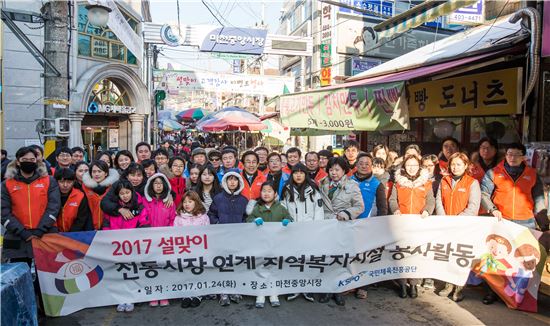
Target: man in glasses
{"points": [[513, 191], [64, 159]]}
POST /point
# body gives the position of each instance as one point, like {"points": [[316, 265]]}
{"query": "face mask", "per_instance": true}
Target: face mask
{"points": [[27, 167]]}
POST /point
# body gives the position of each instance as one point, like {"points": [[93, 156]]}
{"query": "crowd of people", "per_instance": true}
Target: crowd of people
{"points": [[187, 185]]}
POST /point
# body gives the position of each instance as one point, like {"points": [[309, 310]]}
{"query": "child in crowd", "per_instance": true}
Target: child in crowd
{"points": [[191, 212], [130, 200], [268, 209], [208, 185], [157, 195], [229, 206]]}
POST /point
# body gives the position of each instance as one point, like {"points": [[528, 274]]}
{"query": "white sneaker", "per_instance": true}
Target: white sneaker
{"points": [[293, 296], [129, 307], [260, 302], [274, 301], [121, 307], [309, 297]]}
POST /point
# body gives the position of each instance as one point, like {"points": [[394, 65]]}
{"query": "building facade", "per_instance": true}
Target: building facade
{"points": [[109, 102], [343, 41]]}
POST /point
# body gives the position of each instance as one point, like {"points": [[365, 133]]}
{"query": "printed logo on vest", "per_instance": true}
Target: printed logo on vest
{"points": [[73, 204], [39, 185], [461, 189], [527, 177], [15, 188]]}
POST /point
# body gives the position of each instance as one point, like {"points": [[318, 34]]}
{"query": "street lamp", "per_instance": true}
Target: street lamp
{"points": [[98, 15]]}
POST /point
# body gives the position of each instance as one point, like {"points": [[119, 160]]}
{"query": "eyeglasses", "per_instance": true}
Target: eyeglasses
{"points": [[64, 155], [412, 166], [215, 159], [513, 155]]}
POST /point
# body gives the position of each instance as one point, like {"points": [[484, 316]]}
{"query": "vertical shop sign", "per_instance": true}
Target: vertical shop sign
{"points": [[326, 44]]}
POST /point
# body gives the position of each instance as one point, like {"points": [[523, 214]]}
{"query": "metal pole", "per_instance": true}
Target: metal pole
{"points": [[56, 47]]}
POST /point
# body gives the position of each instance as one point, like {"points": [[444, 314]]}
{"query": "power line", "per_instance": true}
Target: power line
{"points": [[210, 10]]}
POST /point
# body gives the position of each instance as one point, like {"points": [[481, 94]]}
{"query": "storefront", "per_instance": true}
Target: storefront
{"points": [[110, 109]]}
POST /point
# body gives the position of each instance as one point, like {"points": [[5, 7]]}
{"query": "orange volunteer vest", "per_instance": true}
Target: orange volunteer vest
{"points": [[513, 198], [252, 192], [69, 211], [94, 201], [412, 200], [29, 201], [455, 200]]}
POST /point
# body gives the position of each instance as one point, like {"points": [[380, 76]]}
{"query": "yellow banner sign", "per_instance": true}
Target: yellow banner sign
{"points": [[491, 93]]}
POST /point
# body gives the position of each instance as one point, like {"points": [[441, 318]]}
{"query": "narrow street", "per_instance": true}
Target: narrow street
{"points": [[383, 307]]}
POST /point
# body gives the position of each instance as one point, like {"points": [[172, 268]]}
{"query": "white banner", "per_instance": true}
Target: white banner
{"points": [[180, 82], [89, 269], [118, 24]]}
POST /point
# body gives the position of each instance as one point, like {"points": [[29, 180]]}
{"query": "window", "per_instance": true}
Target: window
{"points": [[106, 92], [101, 42]]}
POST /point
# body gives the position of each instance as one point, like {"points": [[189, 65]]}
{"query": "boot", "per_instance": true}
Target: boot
{"points": [[325, 297], [414, 292], [458, 295], [403, 291], [446, 290]]}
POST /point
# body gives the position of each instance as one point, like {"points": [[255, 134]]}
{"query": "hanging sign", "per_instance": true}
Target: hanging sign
{"points": [[235, 40], [89, 269], [491, 93], [375, 107]]}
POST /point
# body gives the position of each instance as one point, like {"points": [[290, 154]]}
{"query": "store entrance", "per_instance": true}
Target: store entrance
{"points": [[94, 139]]}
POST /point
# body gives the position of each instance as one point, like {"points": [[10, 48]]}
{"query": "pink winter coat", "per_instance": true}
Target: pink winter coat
{"points": [[118, 222], [185, 219], [159, 215]]}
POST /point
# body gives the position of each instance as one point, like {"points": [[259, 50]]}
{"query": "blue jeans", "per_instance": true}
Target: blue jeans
{"points": [[530, 223]]}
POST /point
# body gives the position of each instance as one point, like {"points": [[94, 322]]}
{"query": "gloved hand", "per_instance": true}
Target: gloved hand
{"points": [[285, 222], [259, 221]]}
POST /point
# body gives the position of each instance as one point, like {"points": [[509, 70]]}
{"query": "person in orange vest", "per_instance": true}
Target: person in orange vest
{"points": [[96, 184], [74, 215], [253, 179], [351, 151], [64, 159], [513, 191], [449, 146], [293, 157], [411, 194], [312, 164], [30, 203], [262, 155], [458, 194], [485, 158]]}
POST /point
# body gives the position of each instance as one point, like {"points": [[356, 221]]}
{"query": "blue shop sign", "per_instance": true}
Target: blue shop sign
{"points": [[381, 7], [235, 40]]}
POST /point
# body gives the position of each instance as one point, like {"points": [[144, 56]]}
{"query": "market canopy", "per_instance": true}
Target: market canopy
{"points": [[375, 99], [191, 114], [170, 125], [230, 119]]}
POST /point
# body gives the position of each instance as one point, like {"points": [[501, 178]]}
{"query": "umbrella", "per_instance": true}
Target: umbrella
{"points": [[165, 114], [231, 119], [170, 125], [192, 114]]}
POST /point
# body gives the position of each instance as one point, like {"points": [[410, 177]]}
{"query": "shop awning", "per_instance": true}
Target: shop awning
{"points": [[475, 41], [375, 99]]}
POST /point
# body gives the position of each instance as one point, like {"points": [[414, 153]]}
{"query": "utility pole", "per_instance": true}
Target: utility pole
{"points": [[56, 47], [261, 107]]}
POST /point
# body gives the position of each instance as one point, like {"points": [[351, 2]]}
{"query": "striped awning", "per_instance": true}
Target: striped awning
{"points": [[419, 15]]}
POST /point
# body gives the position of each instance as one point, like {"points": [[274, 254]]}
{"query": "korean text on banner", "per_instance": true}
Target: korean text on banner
{"points": [[89, 269], [491, 93], [370, 108]]}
